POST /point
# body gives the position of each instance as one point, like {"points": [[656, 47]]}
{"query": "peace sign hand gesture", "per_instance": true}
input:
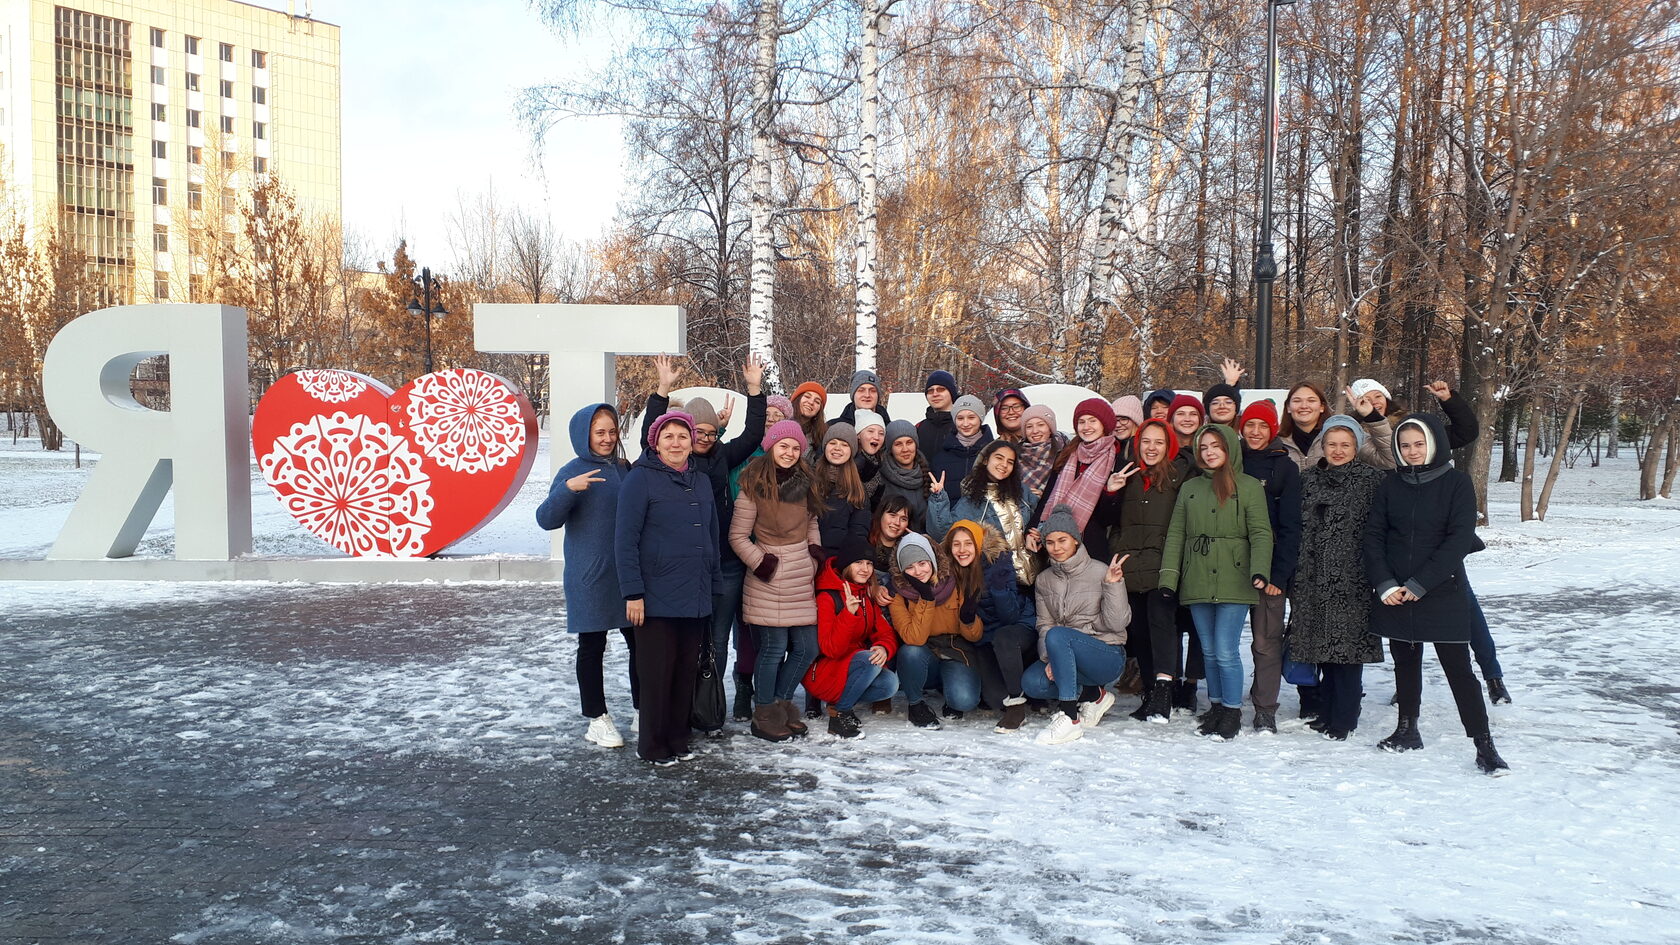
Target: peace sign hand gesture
{"points": [[1116, 570], [936, 484], [851, 600], [1117, 479], [582, 481], [725, 413]]}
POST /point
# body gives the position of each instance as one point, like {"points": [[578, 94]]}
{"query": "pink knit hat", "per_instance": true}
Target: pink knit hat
{"points": [[669, 416], [785, 430], [1129, 407], [1042, 412], [780, 403]]}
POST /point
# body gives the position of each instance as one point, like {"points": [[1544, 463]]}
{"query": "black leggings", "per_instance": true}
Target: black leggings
{"points": [[1455, 661], [591, 650], [1163, 625], [1014, 647]]}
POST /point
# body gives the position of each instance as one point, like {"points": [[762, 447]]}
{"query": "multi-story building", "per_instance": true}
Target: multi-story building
{"points": [[134, 126]]}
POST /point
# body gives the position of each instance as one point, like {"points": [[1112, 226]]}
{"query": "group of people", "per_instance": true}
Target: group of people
{"points": [[866, 558]]}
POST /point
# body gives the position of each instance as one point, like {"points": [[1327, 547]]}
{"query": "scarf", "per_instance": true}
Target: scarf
{"points": [[1014, 536], [969, 440], [1081, 490], [1035, 460], [792, 484], [913, 479]]}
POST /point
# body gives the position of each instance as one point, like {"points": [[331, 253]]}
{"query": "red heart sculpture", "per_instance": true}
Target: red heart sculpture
{"points": [[403, 474]]}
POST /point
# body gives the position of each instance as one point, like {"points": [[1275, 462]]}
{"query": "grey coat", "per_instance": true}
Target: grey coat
{"points": [[1074, 594], [1330, 599]]}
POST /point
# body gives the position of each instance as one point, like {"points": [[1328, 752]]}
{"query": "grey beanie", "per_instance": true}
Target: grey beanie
{"points": [[1343, 420], [702, 411], [840, 431], [1061, 519], [913, 547], [968, 402], [860, 378], [899, 428]]}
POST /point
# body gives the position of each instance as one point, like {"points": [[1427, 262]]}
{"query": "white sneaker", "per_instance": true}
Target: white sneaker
{"points": [[1061, 730], [1091, 713], [603, 732]]}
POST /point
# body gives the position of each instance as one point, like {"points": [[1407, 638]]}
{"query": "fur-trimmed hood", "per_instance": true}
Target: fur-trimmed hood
{"points": [[944, 577]]}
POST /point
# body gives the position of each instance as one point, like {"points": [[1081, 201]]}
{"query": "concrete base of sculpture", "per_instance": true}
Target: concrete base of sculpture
{"points": [[306, 570]]}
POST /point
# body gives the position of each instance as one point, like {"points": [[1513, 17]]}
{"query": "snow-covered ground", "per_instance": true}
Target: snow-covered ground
{"points": [[1138, 833]]}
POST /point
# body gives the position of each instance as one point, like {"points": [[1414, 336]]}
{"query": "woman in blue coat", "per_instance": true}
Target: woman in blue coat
{"points": [[584, 501], [668, 567]]}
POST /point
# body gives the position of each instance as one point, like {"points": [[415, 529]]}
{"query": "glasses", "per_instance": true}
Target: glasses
{"points": [[1011, 408], [704, 436]]}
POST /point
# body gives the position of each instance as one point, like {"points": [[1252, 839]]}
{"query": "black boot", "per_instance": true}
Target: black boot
{"points": [[813, 707], [1229, 723], [1184, 697], [1487, 757], [1210, 720], [1497, 693], [1265, 722], [743, 709], [1405, 737], [1158, 707]]}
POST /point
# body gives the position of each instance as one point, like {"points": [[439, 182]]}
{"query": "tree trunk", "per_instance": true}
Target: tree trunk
{"points": [[1653, 456], [1673, 463], [1611, 447], [1527, 501], [1507, 443], [1562, 450], [869, 120], [761, 325]]}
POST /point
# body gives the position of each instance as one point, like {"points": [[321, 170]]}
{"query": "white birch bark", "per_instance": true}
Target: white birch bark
{"points": [[869, 78], [761, 315]]}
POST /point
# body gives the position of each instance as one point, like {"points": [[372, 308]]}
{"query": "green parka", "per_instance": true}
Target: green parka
{"points": [[1214, 552]]}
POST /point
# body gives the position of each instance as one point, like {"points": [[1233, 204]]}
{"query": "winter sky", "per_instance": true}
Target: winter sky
{"points": [[428, 99]]}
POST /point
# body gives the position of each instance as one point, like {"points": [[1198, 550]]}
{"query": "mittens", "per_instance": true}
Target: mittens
{"points": [[969, 610], [766, 567]]}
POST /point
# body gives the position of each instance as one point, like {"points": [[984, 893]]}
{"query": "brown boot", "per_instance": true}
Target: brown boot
{"points": [[790, 715], [770, 723], [881, 707]]}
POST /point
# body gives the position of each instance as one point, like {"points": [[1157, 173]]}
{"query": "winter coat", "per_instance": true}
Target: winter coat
{"points": [[1377, 452], [784, 528], [954, 460], [841, 520], [944, 511], [1421, 527], [668, 552], [848, 414], [841, 634], [1330, 598], [720, 464], [1281, 479], [590, 574], [1145, 516], [1105, 515], [1075, 594], [1214, 552], [930, 432], [1004, 602], [935, 622]]}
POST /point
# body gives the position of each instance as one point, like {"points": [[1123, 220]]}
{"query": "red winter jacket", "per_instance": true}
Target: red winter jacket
{"points": [[842, 635]]}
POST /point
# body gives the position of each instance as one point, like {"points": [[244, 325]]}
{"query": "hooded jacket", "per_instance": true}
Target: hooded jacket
{"points": [[668, 552], [1214, 552], [1146, 511], [1075, 594], [1003, 603], [934, 622], [1281, 479], [590, 575], [1421, 526], [841, 634]]}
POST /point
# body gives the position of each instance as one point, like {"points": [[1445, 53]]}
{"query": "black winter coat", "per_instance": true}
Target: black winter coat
{"points": [[1421, 526], [1141, 530], [954, 460], [1330, 600], [841, 520], [1276, 470], [930, 432]]}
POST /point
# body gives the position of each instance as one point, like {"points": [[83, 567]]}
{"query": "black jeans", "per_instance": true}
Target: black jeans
{"points": [[1339, 691], [667, 659], [591, 650], [1014, 648], [1455, 662]]}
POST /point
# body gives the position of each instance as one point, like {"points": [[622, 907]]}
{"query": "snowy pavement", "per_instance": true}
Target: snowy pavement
{"points": [[281, 763]]}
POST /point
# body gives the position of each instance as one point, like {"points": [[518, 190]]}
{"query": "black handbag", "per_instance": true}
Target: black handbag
{"points": [[709, 709]]}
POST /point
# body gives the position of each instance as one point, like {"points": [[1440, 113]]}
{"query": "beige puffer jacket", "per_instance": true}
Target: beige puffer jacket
{"points": [[786, 530]]}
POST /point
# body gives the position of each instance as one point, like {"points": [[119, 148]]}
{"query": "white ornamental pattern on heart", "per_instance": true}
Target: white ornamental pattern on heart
{"points": [[466, 420], [332, 387], [354, 484]]}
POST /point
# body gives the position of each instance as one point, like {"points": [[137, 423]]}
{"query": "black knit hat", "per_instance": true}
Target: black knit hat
{"points": [[853, 550], [1221, 390]]}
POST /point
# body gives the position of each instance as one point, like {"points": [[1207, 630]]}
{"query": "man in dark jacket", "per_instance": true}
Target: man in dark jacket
{"points": [[941, 392], [1266, 460]]}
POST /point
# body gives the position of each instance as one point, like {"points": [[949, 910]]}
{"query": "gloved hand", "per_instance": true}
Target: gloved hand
{"points": [[766, 567], [969, 610], [817, 554], [1168, 595]]}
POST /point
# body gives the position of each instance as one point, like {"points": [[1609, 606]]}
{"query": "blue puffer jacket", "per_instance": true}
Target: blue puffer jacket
{"points": [[668, 550], [590, 578]]}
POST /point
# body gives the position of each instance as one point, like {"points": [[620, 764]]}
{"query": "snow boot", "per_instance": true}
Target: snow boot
{"points": [[845, 725], [743, 709], [1184, 697], [1229, 723], [1265, 722], [791, 714], [1158, 707], [922, 717], [1130, 682], [813, 707], [945, 711], [1335, 735], [770, 724], [881, 706], [1487, 757], [1014, 714], [1405, 737], [1497, 693]]}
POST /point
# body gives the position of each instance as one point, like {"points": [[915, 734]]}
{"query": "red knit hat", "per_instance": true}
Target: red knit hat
{"points": [[1095, 407], [1260, 410], [1186, 400]]}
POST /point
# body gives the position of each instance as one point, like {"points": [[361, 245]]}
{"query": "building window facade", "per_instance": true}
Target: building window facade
{"points": [[191, 45], [259, 59], [227, 88], [192, 82], [160, 238], [160, 112], [259, 95], [226, 52], [160, 192], [157, 37]]}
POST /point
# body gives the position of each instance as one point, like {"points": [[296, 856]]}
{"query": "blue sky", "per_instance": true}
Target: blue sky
{"points": [[429, 90]]}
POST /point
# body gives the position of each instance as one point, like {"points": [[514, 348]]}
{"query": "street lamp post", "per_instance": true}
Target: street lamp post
{"points": [[423, 306], [1265, 264]]}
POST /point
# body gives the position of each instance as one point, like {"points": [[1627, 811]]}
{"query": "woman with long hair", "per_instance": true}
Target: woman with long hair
{"points": [[584, 501], [810, 402], [1088, 476], [938, 629], [1146, 511], [854, 638], [775, 533], [985, 572], [1304, 410], [845, 507], [1216, 559]]}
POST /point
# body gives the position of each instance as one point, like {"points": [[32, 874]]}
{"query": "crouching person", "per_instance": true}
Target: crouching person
{"points": [[854, 639], [938, 629], [1083, 613]]}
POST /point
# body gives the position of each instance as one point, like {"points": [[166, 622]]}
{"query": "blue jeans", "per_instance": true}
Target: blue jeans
{"points": [[1220, 628], [1076, 659], [1481, 640], [784, 654], [866, 682], [960, 681], [725, 604]]}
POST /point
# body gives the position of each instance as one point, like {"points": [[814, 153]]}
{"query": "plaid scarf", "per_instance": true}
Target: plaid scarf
{"points": [[1081, 490]]}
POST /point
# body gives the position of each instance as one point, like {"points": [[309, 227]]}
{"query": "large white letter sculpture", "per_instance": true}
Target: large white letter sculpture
{"points": [[201, 444], [581, 342]]}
